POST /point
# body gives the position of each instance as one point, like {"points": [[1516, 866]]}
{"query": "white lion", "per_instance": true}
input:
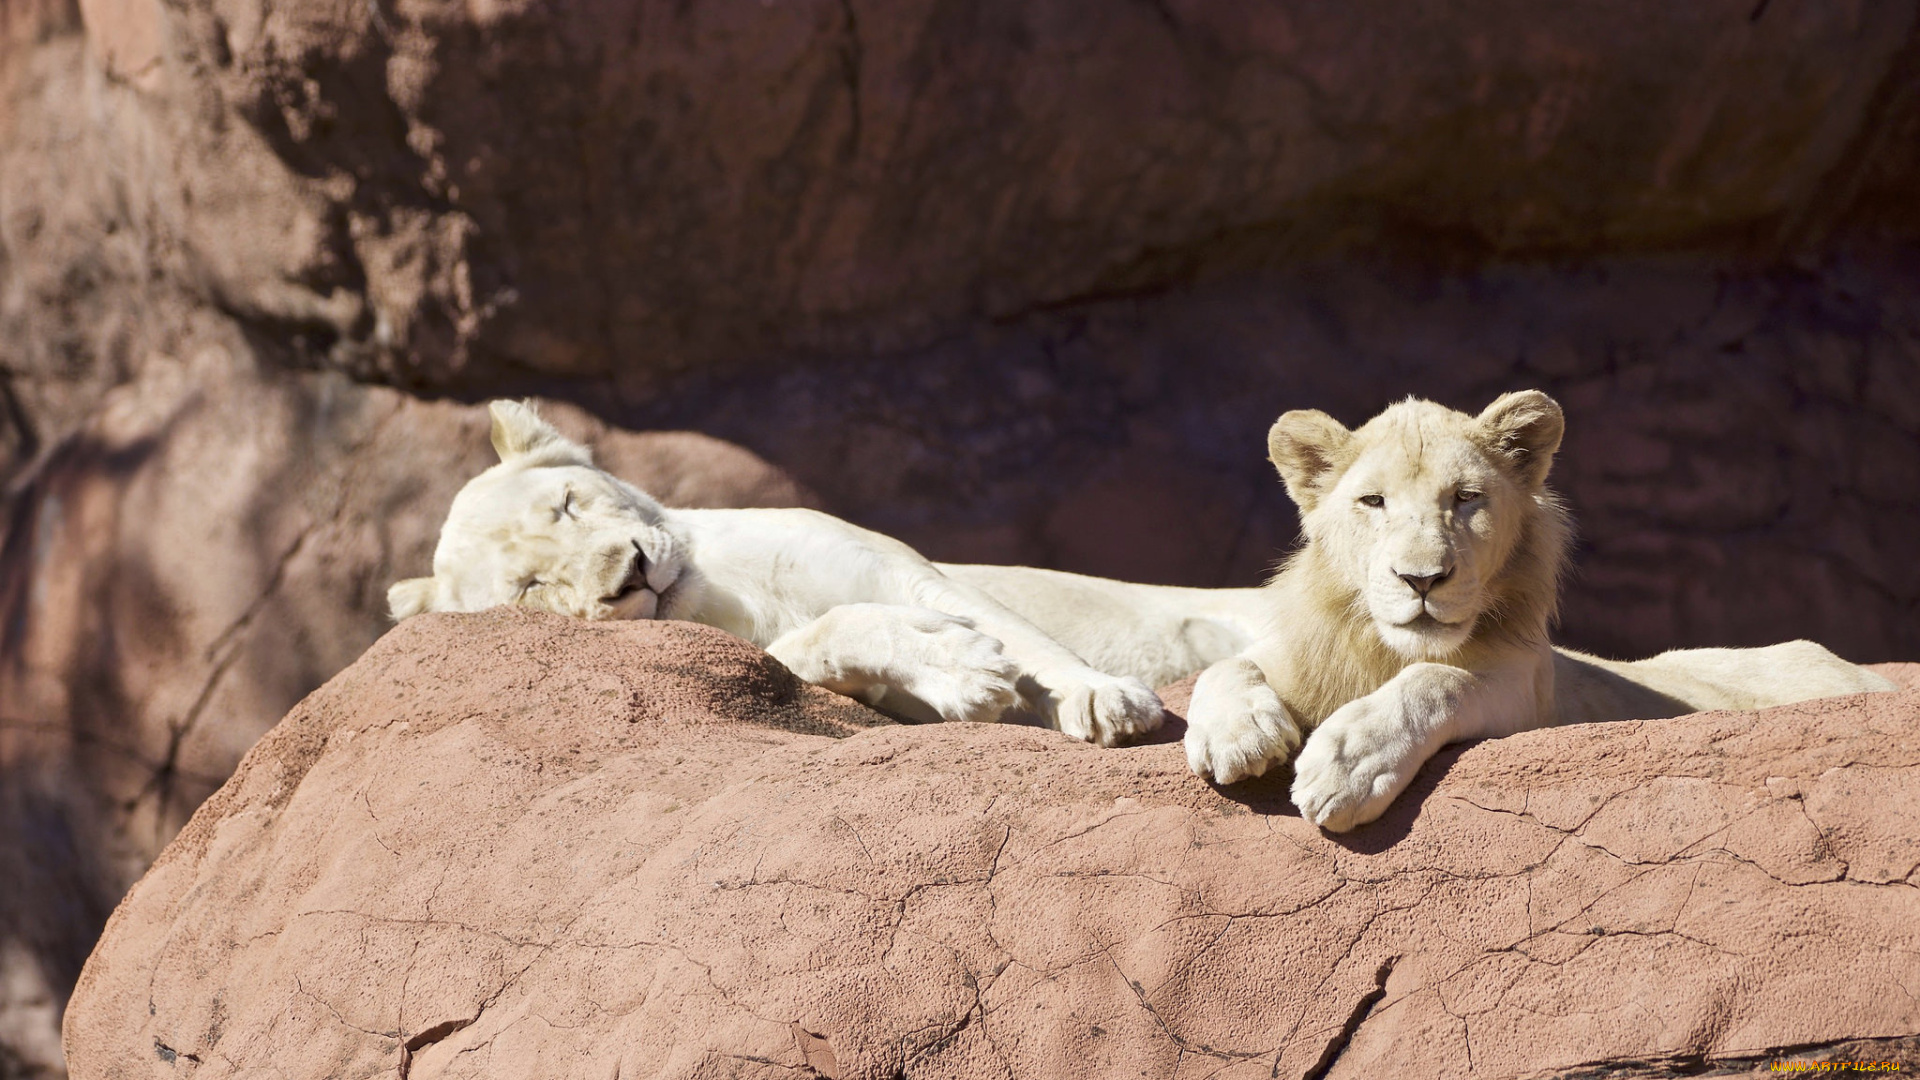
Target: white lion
{"points": [[844, 607], [1416, 615]]}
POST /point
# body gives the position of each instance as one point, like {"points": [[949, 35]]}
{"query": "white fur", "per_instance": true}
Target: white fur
{"points": [[844, 607], [1248, 728], [1417, 615]]}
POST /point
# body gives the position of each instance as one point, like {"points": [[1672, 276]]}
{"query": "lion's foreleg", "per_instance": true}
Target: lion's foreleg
{"points": [[1074, 697], [1364, 755], [1237, 726], [865, 650]]}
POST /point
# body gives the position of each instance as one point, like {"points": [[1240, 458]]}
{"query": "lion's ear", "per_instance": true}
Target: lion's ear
{"points": [[1525, 429], [408, 598], [1307, 445], [521, 437]]}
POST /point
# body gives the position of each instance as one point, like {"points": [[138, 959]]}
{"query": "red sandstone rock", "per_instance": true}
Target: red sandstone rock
{"points": [[1067, 200], [513, 845], [179, 574], [719, 182]]}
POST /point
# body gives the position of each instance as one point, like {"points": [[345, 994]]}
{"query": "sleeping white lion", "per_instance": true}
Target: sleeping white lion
{"points": [[1416, 615], [844, 607]]}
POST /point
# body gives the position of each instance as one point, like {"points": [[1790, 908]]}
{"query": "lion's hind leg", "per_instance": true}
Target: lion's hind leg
{"points": [[912, 662], [1105, 710]]}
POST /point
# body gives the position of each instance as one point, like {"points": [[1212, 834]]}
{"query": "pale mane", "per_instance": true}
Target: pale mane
{"points": [[1416, 614], [1336, 653]]}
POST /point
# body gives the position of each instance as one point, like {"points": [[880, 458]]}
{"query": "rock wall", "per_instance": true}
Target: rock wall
{"points": [[1014, 281], [515, 845], [1742, 455], [445, 195]]}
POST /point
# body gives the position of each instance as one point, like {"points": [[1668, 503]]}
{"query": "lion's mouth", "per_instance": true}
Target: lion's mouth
{"points": [[635, 581], [633, 584], [665, 585], [1426, 621]]}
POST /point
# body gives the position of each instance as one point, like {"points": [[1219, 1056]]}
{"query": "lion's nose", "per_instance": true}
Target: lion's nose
{"points": [[636, 578], [1424, 583]]}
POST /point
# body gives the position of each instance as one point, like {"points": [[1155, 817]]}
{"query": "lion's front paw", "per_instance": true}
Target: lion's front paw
{"points": [[1106, 710], [1354, 764], [1237, 726], [965, 676]]}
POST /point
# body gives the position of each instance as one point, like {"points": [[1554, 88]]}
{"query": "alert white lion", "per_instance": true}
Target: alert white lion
{"points": [[844, 607], [1416, 615]]}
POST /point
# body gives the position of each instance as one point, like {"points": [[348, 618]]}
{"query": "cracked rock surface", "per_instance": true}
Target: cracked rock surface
{"points": [[1006, 279], [508, 844]]}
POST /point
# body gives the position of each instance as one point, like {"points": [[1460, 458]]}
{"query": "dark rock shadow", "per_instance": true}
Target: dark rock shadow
{"points": [[1172, 729], [1271, 795], [1392, 827], [58, 894], [1268, 795]]}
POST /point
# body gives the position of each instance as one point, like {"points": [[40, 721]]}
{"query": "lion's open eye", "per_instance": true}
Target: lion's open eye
{"points": [[1375, 501]]}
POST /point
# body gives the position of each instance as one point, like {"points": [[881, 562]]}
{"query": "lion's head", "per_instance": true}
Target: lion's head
{"points": [[545, 529], [1432, 521]]}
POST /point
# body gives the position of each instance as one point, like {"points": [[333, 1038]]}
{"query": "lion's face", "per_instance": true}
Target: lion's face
{"points": [[545, 529], [1421, 509]]}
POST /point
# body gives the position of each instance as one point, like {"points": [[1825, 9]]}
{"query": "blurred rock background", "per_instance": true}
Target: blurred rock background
{"points": [[1015, 281]]}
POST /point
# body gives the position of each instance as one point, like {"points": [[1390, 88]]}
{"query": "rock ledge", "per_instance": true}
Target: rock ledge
{"points": [[514, 845]]}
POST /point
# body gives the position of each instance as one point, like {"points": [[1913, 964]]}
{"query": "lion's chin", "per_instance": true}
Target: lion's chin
{"points": [[1424, 637], [679, 600]]}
